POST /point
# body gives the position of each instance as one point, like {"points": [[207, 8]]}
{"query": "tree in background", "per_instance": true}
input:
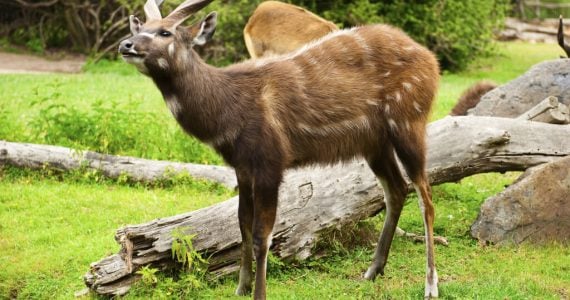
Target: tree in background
{"points": [[456, 30]]}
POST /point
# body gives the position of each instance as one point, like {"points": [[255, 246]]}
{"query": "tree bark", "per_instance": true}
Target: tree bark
{"points": [[317, 199], [35, 156]]}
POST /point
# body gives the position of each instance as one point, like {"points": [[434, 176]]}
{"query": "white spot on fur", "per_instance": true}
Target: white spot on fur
{"points": [[409, 48], [174, 105], [407, 125], [407, 86], [162, 63], [392, 124], [372, 102], [150, 35], [415, 78], [417, 107], [398, 96], [378, 86], [397, 63], [387, 108], [171, 49], [387, 74]]}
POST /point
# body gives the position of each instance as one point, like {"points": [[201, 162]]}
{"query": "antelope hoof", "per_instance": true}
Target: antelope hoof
{"points": [[372, 272], [431, 288], [431, 292], [243, 290]]}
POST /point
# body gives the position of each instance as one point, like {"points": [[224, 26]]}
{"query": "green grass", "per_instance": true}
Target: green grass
{"points": [[52, 226]]}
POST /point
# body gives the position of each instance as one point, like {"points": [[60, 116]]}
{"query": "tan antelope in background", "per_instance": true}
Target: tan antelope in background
{"points": [[277, 28], [362, 92]]}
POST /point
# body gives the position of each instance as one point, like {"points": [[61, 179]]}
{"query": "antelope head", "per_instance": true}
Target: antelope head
{"points": [[159, 43]]}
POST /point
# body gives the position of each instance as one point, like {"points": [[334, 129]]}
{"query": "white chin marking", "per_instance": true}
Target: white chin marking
{"points": [[162, 63], [138, 62]]}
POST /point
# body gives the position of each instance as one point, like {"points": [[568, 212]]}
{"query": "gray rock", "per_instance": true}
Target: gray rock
{"points": [[550, 78], [536, 208]]}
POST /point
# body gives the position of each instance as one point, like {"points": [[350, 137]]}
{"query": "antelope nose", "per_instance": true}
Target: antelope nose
{"points": [[125, 46]]}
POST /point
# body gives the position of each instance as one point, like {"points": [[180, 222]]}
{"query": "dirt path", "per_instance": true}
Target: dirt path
{"points": [[12, 63]]}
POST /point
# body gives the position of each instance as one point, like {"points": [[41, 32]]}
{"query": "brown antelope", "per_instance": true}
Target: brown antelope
{"points": [[362, 92], [277, 28]]}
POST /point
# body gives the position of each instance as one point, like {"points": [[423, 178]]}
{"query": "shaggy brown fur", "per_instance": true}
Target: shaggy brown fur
{"points": [[471, 97], [364, 92]]}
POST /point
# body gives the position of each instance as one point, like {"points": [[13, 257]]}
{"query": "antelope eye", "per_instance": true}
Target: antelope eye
{"points": [[165, 33]]}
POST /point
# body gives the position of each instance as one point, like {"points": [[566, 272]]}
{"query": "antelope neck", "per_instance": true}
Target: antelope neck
{"points": [[200, 97]]}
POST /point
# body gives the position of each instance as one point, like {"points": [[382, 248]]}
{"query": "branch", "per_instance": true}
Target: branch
{"points": [[60, 158]]}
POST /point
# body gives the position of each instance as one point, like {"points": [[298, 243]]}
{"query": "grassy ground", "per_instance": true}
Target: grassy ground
{"points": [[53, 225]]}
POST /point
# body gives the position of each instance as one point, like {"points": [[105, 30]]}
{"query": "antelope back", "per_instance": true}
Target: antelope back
{"points": [[279, 28]]}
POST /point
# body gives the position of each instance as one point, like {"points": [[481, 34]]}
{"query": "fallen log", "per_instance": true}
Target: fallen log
{"points": [[317, 199], [35, 156]]}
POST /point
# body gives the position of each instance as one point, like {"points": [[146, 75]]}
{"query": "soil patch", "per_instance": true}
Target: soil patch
{"points": [[13, 63]]}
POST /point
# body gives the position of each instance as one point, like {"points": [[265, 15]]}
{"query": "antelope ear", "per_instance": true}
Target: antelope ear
{"points": [[206, 29], [135, 23]]}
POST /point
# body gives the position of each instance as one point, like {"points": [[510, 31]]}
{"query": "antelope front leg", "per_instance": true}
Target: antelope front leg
{"points": [[265, 209], [245, 215]]}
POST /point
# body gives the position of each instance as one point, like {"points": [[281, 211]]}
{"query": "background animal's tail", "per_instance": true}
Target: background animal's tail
{"points": [[471, 97]]}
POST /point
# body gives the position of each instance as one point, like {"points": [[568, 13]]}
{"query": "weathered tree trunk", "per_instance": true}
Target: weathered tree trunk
{"points": [[317, 199], [39, 156]]}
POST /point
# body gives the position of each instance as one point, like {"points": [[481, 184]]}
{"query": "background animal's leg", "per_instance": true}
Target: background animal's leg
{"points": [[245, 215], [265, 209], [412, 154], [386, 169]]}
